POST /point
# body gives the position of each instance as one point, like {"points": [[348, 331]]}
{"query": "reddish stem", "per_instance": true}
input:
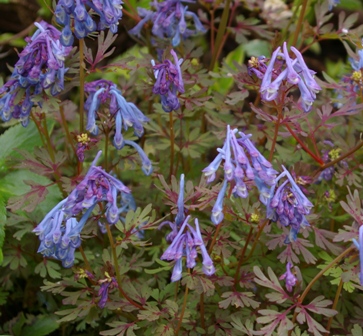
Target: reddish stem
{"points": [[306, 149]]}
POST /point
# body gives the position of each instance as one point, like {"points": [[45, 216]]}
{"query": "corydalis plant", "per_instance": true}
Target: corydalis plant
{"points": [[239, 167], [283, 73], [169, 82], [125, 114], [288, 205], [184, 241], [66, 11], [40, 69], [169, 21], [59, 232]]}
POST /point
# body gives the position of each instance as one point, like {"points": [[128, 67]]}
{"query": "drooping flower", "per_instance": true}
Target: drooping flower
{"points": [[40, 69], [109, 11], [59, 232], [291, 71], [290, 279], [184, 241], [105, 286], [169, 82], [288, 205], [169, 21], [185, 244], [242, 163], [360, 249], [125, 114]]}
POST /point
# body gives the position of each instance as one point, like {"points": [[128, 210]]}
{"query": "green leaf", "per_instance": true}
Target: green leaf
{"points": [[2, 227], [41, 327], [18, 137]]}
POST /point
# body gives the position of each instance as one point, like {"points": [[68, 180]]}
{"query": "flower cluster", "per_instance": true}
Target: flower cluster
{"points": [[40, 67], [288, 205], [239, 168], [105, 285], [283, 69], [125, 114], [59, 239], [109, 11], [169, 21], [168, 82], [184, 241], [290, 279]]}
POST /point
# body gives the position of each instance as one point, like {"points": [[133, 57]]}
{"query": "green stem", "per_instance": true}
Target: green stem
{"points": [[201, 307], [183, 310], [117, 269], [66, 129], [241, 256], [336, 299], [51, 153], [316, 278], [257, 238], [220, 33], [171, 125], [300, 22], [81, 85], [88, 267]]}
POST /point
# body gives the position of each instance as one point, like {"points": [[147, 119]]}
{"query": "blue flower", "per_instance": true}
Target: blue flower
{"points": [[185, 243], [109, 11], [288, 205], [239, 168], [295, 72], [40, 68], [59, 231], [289, 278], [169, 21], [169, 82]]}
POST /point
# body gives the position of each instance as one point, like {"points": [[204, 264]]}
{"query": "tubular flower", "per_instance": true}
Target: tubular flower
{"points": [[105, 285], [242, 163], [125, 114], [169, 21], [169, 81], [184, 240], [289, 278], [40, 68], [283, 69], [185, 243], [288, 205], [59, 232], [109, 11]]}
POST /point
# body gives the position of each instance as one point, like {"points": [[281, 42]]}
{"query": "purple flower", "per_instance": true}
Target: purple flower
{"points": [[97, 186], [59, 231], [40, 68], [126, 115], [294, 72], [105, 286], [185, 244], [242, 162], [59, 237], [169, 21], [217, 211], [360, 249], [290, 279], [288, 205], [169, 81], [109, 11]]}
